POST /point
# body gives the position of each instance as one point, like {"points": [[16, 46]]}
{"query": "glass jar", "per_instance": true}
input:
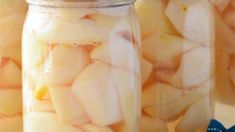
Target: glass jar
{"points": [[225, 61], [177, 65], [12, 15], [81, 68]]}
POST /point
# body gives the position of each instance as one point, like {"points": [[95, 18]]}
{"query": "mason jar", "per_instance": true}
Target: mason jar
{"points": [[12, 13], [225, 61], [81, 68], [177, 65]]}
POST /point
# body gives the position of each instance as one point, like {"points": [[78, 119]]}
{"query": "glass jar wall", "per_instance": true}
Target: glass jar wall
{"points": [[12, 13], [81, 67], [177, 65], [225, 61]]}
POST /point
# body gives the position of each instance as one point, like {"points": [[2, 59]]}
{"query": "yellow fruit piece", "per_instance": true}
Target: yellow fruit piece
{"points": [[40, 92]]}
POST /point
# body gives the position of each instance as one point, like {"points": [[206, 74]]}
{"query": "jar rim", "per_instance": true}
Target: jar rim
{"points": [[80, 3]]}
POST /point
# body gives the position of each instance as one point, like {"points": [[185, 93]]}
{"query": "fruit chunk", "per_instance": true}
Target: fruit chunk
{"points": [[93, 128], [165, 50], [193, 19], [118, 46], [96, 91], [11, 27], [195, 68], [42, 121], [163, 101], [12, 52], [81, 32], [67, 106], [196, 117], [10, 101], [152, 18], [146, 69], [7, 70], [11, 124], [64, 64], [221, 4], [128, 88], [149, 124]]}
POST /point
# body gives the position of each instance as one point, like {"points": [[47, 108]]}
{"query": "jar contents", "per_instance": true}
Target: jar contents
{"points": [[12, 13], [225, 61], [81, 70], [177, 65]]}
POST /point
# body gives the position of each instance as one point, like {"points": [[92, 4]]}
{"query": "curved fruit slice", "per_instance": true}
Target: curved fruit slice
{"points": [[10, 74], [195, 68], [96, 91], [163, 101], [165, 50], [12, 52], [10, 101], [152, 18], [82, 32], [128, 88], [193, 19], [196, 117], [42, 121], [93, 128], [11, 124], [11, 27], [149, 124], [146, 69], [35, 51], [67, 106], [120, 44], [64, 64], [221, 4]]}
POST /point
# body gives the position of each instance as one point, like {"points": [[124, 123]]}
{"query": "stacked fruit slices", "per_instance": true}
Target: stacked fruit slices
{"points": [[177, 64], [80, 72]]}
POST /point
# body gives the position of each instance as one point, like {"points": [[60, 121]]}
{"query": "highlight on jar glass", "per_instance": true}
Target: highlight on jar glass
{"points": [[81, 68], [12, 13], [225, 61], [177, 65]]}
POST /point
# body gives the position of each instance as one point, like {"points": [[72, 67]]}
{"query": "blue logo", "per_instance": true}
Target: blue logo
{"points": [[216, 126]]}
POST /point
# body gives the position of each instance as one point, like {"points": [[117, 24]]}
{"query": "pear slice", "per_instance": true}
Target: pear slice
{"points": [[152, 18], [11, 124], [10, 101], [193, 19], [146, 69], [166, 102], [10, 74], [221, 4], [128, 88], [95, 89], [66, 105], [93, 128], [43, 121], [64, 64], [196, 117], [12, 52], [165, 50], [195, 68], [11, 27], [149, 124], [120, 44]]}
